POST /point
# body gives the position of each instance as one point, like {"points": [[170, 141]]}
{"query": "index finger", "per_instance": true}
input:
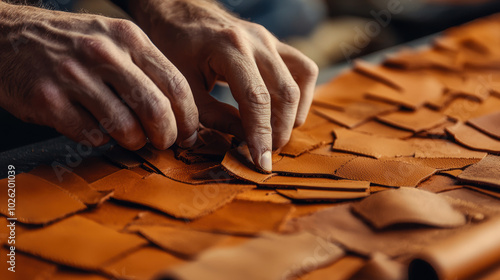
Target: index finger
{"points": [[254, 101]]}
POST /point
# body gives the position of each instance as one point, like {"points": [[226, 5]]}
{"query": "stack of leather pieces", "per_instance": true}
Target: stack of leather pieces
{"points": [[395, 175]]}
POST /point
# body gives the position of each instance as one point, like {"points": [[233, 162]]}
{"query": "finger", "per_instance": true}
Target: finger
{"points": [[114, 116], [305, 73], [254, 102], [173, 85], [285, 95], [66, 117]]}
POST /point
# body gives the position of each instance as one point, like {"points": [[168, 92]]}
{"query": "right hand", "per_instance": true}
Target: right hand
{"points": [[76, 71]]}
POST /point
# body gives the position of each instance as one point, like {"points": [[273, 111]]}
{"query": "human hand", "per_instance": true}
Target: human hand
{"points": [[272, 82], [75, 72]]}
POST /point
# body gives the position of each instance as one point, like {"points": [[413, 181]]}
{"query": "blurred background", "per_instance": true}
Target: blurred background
{"points": [[328, 31]]}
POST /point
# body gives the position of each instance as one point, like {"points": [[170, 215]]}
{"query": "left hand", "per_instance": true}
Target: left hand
{"points": [[272, 82]]}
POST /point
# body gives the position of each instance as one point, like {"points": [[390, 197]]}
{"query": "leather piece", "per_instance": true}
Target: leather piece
{"points": [[73, 274], [115, 180], [184, 243], [94, 168], [315, 183], [164, 162], [485, 190], [487, 171], [26, 267], [440, 148], [142, 264], [416, 121], [123, 158], [112, 215], [384, 172], [311, 165], [488, 124], [338, 224], [262, 195], [342, 269], [241, 167], [474, 139], [404, 206], [238, 217], [87, 244], [381, 267], [289, 253], [423, 59], [321, 195], [38, 201], [462, 255], [439, 183], [398, 87], [440, 163], [368, 145], [355, 113], [299, 143], [178, 199], [463, 109], [382, 130], [73, 184]]}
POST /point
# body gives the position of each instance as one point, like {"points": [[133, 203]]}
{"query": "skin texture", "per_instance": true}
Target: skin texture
{"points": [[272, 82], [107, 72]]}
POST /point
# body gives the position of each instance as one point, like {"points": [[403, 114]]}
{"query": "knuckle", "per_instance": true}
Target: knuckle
{"points": [[290, 94], [179, 87], [259, 96], [123, 26], [232, 37], [96, 47], [311, 69]]}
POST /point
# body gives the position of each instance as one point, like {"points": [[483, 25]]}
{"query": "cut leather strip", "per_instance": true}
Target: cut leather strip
{"points": [[382, 130], [487, 171], [423, 59], [474, 139], [94, 168], [112, 215], [123, 158], [184, 243], [288, 253], [284, 182], [404, 206], [416, 121], [238, 166], [461, 256], [238, 217], [384, 172], [87, 245], [368, 145], [178, 199], [321, 195], [436, 132], [311, 165], [142, 264], [262, 195], [488, 124], [72, 183], [121, 178], [300, 142], [38, 201], [489, 191], [439, 183]]}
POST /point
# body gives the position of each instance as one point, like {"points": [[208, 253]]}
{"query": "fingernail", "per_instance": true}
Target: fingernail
{"points": [[266, 162], [190, 141]]}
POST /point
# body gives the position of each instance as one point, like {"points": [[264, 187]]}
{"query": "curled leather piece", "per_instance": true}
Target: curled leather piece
{"points": [[416, 121], [408, 206], [460, 256], [474, 139]]}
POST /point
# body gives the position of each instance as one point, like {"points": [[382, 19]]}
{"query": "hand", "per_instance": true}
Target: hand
{"points": [[272, 82], [75, 72]]}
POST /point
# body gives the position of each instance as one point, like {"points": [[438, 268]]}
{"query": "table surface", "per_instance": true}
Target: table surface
{"points": [[63, 150]]}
